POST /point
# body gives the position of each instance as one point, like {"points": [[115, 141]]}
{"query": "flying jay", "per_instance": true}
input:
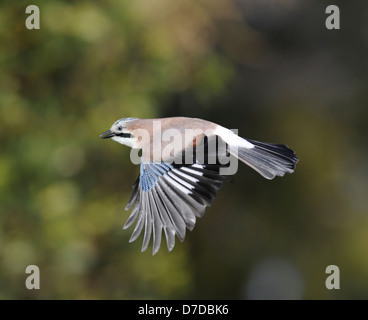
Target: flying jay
{"points": [[173, 189]]}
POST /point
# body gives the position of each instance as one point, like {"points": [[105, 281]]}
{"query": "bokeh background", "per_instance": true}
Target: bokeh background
{"points": [[268, 68]]}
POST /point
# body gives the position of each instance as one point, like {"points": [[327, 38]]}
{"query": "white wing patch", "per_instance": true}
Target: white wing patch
{"points": [[185, 176], [199, 173], [176, 184], [185, 184]]}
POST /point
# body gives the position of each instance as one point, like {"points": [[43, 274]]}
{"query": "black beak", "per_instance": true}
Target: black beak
{"points": [[107, 134]]}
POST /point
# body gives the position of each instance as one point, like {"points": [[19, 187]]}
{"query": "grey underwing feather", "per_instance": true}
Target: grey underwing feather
{"points": [[185, 211], [139, 226], [133, 216], [168, 219], [134, 195], [148, 227], [156, 223]]}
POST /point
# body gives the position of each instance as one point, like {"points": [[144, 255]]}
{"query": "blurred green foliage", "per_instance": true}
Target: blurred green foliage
{"points": [[270, 69]]}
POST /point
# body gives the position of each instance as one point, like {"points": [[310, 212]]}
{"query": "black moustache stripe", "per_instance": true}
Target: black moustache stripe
{"points": [[124, 135]]}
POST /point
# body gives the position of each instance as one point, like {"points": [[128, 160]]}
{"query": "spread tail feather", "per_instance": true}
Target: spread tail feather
{"points": [[268, 159]]}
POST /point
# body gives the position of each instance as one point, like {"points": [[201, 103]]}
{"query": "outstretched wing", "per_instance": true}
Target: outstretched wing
{"points": [[170, 197]]}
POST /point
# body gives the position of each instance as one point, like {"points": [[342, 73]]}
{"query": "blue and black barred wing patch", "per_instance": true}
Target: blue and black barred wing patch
{"points": [[170, 197]]}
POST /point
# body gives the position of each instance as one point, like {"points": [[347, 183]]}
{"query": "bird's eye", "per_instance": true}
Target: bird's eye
{"points": [[120, 128]]}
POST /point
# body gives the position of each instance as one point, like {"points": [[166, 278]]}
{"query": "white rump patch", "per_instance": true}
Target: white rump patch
{"points": [[232, 139]]}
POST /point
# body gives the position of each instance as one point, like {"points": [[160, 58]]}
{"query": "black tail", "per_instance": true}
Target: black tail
{"points": [[268, 159]]}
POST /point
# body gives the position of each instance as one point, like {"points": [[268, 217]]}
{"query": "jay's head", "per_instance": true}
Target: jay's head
{"points": [[120, 132]]}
